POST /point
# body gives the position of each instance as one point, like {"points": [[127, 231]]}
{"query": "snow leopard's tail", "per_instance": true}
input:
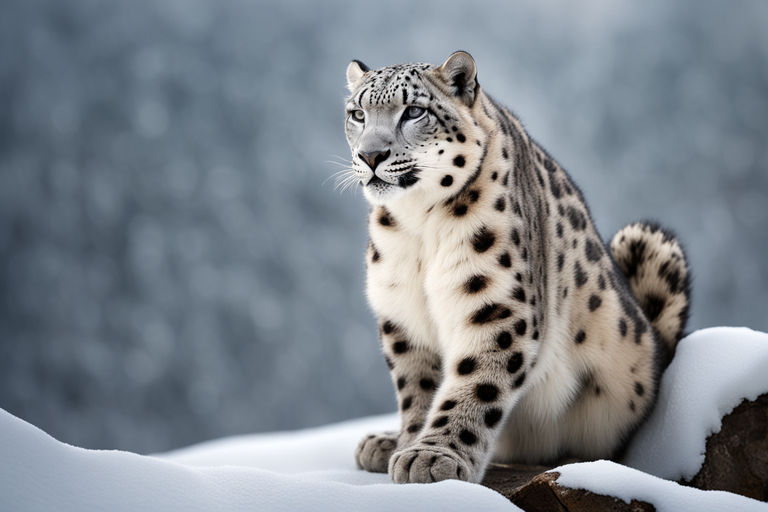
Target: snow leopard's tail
{"points": [[655, 265]]}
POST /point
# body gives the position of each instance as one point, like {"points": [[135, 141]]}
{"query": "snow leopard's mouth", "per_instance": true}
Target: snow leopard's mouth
{"points": [[378, 183], [379, 190], [403, 180]]}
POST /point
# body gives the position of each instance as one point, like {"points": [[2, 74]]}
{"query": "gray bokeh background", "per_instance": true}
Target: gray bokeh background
{"points": [[175, 264]]}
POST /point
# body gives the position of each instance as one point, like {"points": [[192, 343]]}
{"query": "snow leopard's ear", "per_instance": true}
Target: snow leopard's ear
{"points": [[460, 73], [355, 72]]}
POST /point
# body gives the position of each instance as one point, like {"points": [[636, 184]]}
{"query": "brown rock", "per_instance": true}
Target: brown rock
{"points": [[508, 479], [736, 459], [543, 494]]}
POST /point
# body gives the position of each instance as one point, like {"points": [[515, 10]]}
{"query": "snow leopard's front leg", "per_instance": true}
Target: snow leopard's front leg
{"points": [[415, 373], [480, 387]]}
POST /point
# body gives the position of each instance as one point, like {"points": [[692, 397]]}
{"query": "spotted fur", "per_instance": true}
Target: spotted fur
{"points": [[654, 262], [510, 332]]}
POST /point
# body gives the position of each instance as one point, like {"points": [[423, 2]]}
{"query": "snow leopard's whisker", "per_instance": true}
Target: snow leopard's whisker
{"points": [[342, 164], [341, 172], [339, 176], [346, 181], [338, 160]]}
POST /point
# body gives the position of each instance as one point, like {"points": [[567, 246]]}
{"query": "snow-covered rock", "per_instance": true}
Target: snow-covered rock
{"points": [[607, 478], [713, 371]]}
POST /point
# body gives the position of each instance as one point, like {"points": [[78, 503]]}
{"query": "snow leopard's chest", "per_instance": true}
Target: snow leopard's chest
{"points": [[432, 278]]}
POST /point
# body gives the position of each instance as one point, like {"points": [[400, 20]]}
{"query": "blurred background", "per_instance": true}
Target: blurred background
{"points": [[175, 264]]}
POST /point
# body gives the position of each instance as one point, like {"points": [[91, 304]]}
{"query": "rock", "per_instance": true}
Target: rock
{"points": [[508, 479], [543, 494], [736, 459]]}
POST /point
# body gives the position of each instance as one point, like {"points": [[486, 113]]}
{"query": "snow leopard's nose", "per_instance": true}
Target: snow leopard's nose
{"points": [[373, 158]]}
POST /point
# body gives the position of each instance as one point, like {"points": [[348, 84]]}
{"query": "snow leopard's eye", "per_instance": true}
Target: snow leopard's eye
{"points": [[357, 115], [414, 113]]}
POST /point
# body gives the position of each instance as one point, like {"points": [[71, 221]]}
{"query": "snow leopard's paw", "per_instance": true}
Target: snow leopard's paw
{"points": [[374, 450], [423, 464]]}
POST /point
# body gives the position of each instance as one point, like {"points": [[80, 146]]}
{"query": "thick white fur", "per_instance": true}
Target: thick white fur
{"points": [[578, 398]]}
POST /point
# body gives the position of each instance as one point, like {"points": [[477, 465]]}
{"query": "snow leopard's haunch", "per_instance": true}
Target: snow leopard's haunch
{"points": [[510, 332]]}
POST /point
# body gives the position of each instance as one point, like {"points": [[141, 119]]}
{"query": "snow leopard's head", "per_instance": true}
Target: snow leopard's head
{"points": [[410, 128]]}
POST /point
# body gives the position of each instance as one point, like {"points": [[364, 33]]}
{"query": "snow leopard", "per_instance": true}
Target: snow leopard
{"points": [[513, 333]]}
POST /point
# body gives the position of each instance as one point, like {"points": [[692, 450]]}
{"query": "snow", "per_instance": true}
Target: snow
{"points": [[318, 449], [39, 473], [712, 372], [611, 479]]}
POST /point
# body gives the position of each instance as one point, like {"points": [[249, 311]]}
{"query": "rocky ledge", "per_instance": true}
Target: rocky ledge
{"points": [[736, 461]]}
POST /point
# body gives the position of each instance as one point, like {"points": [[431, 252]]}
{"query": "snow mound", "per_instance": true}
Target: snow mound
{"points": [[611, 479], [39, 473], [712, 372]]}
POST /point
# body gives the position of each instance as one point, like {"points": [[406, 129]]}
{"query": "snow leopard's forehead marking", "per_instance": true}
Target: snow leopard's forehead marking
{"points": [[400, 85]]}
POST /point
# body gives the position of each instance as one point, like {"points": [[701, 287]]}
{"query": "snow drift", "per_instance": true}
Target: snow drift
{"points": [[713, 370], [39, 473]]}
